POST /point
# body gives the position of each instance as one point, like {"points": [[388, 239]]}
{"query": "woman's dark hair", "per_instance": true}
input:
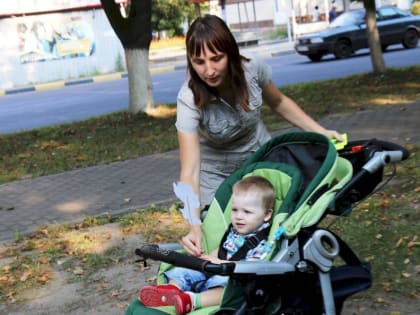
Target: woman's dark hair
{"points": [[213, 32]]}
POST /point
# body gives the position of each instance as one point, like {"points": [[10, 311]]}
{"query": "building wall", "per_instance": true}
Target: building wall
{"points": [[57, 46]]}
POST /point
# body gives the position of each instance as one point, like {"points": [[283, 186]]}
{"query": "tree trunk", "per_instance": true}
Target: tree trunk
{"points": [[374, 41], [135, 34], [139, 80], [197, 9]]}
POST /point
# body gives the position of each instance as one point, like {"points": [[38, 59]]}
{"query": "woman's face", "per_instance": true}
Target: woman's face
{"points": [[211, 67]]}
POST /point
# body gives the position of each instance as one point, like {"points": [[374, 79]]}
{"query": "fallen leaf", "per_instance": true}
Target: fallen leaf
{"points": [[384, 203], [89, 237], [4, 279], [152, 279], [11, 296], [43, 260], [78, 271], [42, 279], [387, 287], [25, 276], [364, 206], [80, 157], [6, 268], [43, 230], [368, 223], [401, 241], [115, 293]]}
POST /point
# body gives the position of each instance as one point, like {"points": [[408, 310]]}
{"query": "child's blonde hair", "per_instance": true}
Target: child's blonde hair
{"points": [[260, 186]]}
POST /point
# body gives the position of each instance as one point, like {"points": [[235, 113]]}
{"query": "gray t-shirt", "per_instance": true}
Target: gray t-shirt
{"points": [[228, 134]]}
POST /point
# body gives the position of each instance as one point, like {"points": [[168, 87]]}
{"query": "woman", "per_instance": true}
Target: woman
{"points": [[218, 112]]}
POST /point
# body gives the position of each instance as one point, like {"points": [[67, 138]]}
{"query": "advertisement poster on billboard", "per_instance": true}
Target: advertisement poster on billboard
{"points": [[54, 37]]}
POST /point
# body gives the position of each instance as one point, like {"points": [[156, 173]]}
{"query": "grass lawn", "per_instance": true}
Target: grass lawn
{"points": [[383, 229]]}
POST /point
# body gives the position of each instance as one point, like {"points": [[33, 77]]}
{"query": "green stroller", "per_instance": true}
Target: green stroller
{"points": [[299, 276]]}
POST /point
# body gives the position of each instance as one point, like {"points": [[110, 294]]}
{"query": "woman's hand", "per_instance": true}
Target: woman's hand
{"points": [[334, 134], [192, 241]]}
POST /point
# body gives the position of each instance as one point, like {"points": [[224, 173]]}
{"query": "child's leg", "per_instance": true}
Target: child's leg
{"points": [[210, 297]]}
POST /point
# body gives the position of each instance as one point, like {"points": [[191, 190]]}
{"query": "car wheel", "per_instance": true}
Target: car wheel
{"points": [[342, 49], [410, 39], [315, 57]]}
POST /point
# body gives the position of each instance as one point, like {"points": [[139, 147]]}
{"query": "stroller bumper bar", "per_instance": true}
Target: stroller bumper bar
{"points": [[237, 268]]}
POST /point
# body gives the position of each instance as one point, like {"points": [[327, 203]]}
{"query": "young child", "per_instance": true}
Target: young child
{"points": [[252, 207]]}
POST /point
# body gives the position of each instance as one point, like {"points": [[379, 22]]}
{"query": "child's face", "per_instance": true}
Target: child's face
{"points": [[248, 213]]}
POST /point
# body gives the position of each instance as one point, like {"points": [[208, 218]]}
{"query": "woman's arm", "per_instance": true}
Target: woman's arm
{"points": [[286, 107], [189, 154]]}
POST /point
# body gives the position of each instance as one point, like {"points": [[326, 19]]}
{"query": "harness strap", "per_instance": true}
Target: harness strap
{"points": [[250, 243]]}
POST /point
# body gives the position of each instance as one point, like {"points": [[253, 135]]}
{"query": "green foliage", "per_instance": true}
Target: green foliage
{"points": [[278, 32], [170, 15], [415, 9]]}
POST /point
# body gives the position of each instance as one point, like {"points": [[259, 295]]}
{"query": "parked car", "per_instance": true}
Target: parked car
{"points": [[347, 33]]}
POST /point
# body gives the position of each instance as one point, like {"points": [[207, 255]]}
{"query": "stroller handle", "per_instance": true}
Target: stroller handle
{"points": [[183, 260], [380, 159]]}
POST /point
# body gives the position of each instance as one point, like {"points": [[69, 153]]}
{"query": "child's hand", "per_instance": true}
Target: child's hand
{"points": [[212, 259]]}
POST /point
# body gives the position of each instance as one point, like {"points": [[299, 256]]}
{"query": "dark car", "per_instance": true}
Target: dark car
{"points": [[347, 33]]}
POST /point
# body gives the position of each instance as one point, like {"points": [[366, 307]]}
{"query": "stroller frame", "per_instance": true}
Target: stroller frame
{"points": [[304, 254]]}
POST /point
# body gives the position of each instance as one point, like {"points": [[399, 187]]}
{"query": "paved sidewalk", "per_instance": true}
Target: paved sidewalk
{"points": [[121, 187]]}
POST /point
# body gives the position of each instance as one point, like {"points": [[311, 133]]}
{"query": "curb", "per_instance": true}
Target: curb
{"points": [[95, 79]]}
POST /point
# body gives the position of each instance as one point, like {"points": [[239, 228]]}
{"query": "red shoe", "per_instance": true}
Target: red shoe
{"points": [[182, 303], [159, 295], [164, 295]]}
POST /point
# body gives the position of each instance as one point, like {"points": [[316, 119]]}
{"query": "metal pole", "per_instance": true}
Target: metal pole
{"points": [[255, 18], [239, 14]]}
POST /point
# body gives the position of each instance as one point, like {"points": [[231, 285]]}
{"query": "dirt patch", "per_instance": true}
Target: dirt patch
{"points": [[106, 291], [110, 290]]}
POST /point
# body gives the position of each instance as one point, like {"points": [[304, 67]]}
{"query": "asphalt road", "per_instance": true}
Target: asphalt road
{"points": [[24, 111]]}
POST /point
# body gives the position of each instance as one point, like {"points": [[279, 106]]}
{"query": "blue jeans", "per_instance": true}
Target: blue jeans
{"points": [[196, 281]]}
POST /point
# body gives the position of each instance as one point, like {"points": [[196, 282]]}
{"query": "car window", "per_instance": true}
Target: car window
{"points": [[349, 18], [390, 13], [387, 13]]}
